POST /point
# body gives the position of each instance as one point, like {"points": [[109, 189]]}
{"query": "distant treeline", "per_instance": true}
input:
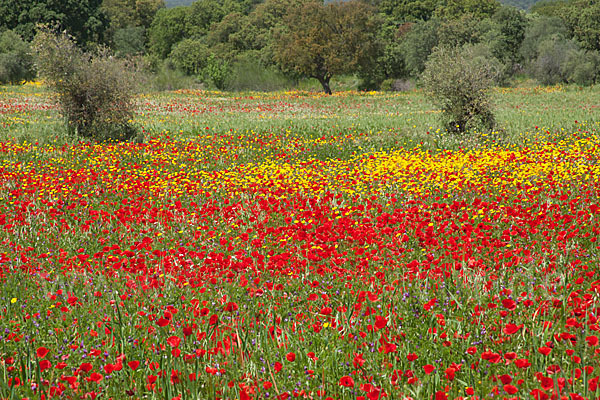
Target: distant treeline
{"points": [[267, 44]]}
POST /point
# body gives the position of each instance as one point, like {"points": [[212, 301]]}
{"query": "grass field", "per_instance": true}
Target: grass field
{"points": [[295, 245]]}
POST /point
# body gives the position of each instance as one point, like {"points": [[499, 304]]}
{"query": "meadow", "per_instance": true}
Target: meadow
{"points": [[295, 245]]}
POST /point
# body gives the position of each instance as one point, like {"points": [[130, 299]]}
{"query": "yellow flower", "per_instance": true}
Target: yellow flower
{"points": [[13, 300]]}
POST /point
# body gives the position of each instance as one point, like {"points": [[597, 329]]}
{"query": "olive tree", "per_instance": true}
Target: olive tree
{"points": [[458, 80], [94, 89]]}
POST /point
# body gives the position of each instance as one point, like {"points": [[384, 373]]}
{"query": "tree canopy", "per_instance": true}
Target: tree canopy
{"points": [[83, 19], [320, 41]]}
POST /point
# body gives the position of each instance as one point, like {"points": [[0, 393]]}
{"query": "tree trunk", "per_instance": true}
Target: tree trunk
{"points": [[324, 81]]}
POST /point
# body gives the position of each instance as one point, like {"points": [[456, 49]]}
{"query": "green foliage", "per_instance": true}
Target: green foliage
{"points": [[320, 41], [550, 8], [16, 63], [124, 13], [583, 18], [417, 45], [406, 10], [83, 19], [167, 77], [389, 61], [552, 54], [511, 24], [248, 74], [190, 56], [454, 9], [129, 41], [217, 71], [168, 28], [540, 28], [458, 80], [582, 67], [522, 4], [94, 90]]}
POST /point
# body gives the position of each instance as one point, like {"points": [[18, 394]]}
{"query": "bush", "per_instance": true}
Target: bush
{"points": [[549, 66], [190, 56], [247, 75], [217, 71], [166, 77], [129, 41], [397, 85], [582, 67], [94, 90], [16, 64], [459, 81]]}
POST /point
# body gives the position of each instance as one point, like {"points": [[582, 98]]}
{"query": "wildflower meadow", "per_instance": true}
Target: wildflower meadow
{"points": [[296, 245]]}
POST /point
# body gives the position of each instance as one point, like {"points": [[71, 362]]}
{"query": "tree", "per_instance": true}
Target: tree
{"points": [[320, 41], [453, 9], [168, 28], [83, 19], [406, 10], [540, 28], [506, 38], [15, 61], [549, 8], [129, 41], [583, 17], [125, 13], [95, 90], [458, 80], [190, 56], [418, 43]]}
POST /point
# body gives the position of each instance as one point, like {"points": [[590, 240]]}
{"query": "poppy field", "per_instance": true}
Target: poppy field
{"points": [[294, 245]]}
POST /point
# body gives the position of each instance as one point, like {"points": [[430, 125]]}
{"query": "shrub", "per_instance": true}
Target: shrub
{"points": [[16, 63], [582, 67], [397, 85], [166, 77], [217, 71], [94, 90], [129, 41], [190, 56], [459, 81], [248, 74], [549, 66]]}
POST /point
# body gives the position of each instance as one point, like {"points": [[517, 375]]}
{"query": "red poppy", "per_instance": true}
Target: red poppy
{"points": [[174, 341], [231, 307], [544, 350], [511, 329], [428, 368], [95, 377], [439, 395], [509, 304], [592, 340], [41, 352], [44, 365], [412, 357], [213, 319], [85, 367], [510, 389], [290, 357], [346, 381], [133, 364], [108, 369]]}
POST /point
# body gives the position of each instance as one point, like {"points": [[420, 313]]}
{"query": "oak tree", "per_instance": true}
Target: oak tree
{"points": [[320, 41]]}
